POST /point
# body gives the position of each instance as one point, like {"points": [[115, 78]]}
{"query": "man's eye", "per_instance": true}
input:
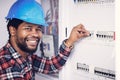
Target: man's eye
{"points": [[39, 29], [28, 28]]}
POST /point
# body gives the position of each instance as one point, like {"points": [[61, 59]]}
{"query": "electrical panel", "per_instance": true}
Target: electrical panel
{"points": [[93, 57], [94, 1], [97, 73]]}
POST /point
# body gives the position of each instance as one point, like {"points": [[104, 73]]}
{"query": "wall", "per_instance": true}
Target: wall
{"points": [[4, 7]]}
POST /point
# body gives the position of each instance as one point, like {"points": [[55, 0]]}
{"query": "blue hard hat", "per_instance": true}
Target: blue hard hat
{"points": [[28, 11]]}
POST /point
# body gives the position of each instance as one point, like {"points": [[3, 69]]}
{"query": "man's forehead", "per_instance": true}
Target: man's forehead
{"points": [[34, 24]]}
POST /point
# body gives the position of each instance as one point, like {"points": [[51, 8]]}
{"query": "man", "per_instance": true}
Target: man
{"points": [[25, 23]]}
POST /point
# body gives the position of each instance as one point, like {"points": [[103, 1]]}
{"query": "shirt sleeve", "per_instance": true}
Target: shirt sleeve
{"points": [[53, 64]]}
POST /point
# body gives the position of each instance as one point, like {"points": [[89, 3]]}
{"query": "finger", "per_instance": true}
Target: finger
{"points": [[83, 31], [80, 26]]}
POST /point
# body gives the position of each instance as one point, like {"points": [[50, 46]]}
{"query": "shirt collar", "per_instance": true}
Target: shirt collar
{"points": [[13, 52]]}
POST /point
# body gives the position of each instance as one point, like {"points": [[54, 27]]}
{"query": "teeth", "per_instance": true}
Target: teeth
{"points": [[32, 41]]}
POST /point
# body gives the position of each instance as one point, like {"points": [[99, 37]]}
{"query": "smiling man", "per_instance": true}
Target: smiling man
{"points": [[26, 36], [17, 58]]}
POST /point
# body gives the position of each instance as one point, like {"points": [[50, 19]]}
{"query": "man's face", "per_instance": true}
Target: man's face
{"points": [[28, 36]]}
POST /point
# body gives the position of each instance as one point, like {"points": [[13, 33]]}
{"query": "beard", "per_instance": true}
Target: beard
{"points": [[24, 47]]}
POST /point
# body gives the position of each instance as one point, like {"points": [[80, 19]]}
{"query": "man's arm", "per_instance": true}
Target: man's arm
{"points": [[53, 64]]}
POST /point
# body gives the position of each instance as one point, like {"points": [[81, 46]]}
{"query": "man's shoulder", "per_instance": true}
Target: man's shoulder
{"points": [[3, 50], [5, 59], [4, 55]]}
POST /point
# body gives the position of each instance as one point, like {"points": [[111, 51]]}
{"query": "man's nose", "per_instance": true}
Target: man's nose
{"points": [[35, 33]]}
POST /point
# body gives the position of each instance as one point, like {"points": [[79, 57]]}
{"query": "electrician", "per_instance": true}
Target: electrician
{"points": [[17, 58]]}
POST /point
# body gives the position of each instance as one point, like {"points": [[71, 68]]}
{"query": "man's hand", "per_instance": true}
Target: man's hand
{"points": [[77, 32]]}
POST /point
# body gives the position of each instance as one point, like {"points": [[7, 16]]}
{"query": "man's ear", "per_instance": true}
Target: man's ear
{"points": [[12, 31]]}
